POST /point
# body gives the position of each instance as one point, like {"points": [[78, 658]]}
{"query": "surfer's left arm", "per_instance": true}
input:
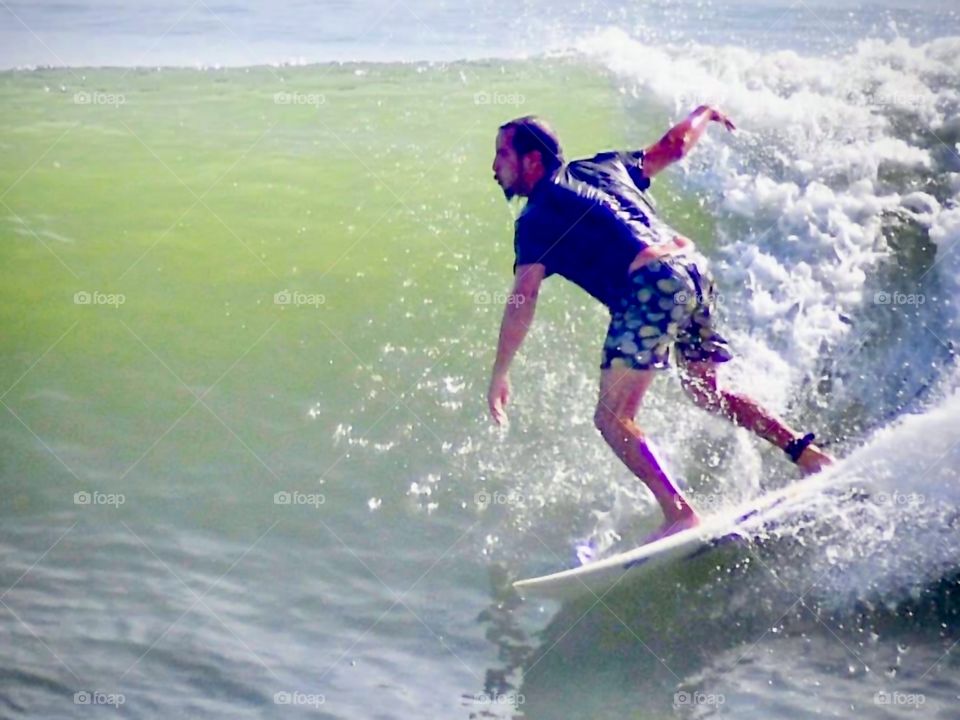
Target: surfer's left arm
{"points": [[681, 138], [517, 318]]}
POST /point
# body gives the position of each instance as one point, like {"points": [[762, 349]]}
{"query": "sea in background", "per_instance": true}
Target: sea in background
{"points": [[254, 262]]}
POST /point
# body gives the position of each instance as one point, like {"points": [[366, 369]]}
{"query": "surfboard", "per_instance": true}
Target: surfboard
{"points": [[739, 524]]}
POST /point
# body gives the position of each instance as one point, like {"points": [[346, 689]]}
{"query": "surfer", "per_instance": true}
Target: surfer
{"points": [[592, 222]]}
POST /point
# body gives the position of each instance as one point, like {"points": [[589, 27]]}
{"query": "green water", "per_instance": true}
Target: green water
{"points": [[200, 197], [365, 192], [183, 385]]}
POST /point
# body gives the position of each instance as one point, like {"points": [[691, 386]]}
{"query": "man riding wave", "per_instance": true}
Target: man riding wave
{"points": [[592, 222]]}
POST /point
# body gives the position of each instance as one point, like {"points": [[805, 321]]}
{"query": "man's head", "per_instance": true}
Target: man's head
{"points": [[527, 151]]}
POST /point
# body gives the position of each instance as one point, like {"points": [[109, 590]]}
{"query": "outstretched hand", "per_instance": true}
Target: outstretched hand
{"points": [[497, 398], [717, 116]]}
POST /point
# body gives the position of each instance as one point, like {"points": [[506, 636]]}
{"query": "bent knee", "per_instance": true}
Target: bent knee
{"points": [[610, 421], [605, 419], [600, 418]]}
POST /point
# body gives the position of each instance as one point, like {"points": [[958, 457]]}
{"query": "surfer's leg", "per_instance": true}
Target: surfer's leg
{"points": [[642, 330], [699, 380], [621, 392], [700, 349]]}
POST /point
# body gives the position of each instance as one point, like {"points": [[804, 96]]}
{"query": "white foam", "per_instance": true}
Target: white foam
{"points": [[905, 534], [827, 153], [808, 171], [945, 232]]}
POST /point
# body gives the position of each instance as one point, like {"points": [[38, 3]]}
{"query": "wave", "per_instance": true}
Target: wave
{"points": [[838, 209]]}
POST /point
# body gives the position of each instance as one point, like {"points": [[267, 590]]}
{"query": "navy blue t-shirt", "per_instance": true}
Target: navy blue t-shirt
{"points": [[589, 222]]}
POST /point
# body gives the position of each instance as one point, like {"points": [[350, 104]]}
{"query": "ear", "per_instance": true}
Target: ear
{"points": [[531, 161]]}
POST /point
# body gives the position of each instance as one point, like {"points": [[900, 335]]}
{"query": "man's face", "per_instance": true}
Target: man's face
{"points": [[506, 165]]}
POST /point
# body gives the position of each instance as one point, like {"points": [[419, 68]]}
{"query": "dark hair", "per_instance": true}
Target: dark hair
{"points": [[531, 133]]}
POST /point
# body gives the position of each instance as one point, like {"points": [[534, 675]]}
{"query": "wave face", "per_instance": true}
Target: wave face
{"points": [[321, 326], [837, 205]]}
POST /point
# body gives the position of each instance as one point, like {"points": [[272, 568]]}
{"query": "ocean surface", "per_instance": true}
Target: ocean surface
{"points": [[253, 265]]}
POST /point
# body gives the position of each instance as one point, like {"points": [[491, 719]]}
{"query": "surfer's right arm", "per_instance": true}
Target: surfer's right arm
{"points": [[681, 138], [517, 317]]}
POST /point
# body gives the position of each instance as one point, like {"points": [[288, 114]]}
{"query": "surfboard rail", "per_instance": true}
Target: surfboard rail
{"points": [[739, 523]]}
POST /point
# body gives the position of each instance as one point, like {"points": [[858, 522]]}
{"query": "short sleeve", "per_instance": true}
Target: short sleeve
{"points": [[533, 241], [633, 161], [615, 162]]}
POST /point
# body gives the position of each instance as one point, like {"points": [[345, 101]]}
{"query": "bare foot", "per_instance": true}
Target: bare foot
{"points": [[670, 527], [813, 460]]}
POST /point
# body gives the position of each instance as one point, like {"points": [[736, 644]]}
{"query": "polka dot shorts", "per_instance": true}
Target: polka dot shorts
{"points": [[668, 303]]}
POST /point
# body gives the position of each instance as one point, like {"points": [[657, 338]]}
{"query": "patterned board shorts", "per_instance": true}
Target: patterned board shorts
{"points": [[669, 302]]}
